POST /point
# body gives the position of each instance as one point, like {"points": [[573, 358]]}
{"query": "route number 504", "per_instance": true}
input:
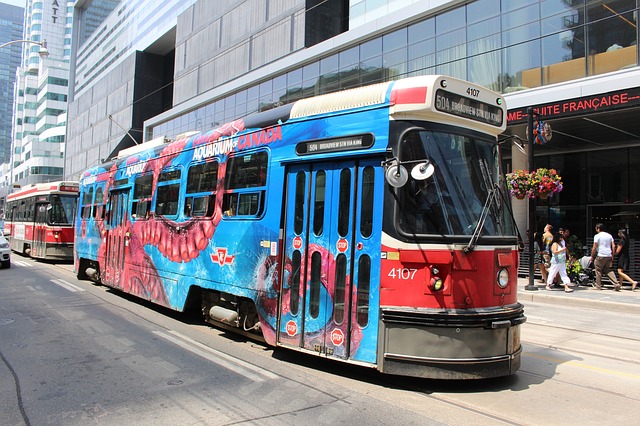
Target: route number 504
{"points": [[402, 273]]}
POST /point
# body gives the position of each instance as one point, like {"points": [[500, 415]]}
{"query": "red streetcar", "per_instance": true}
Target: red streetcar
{"points": [[39, 219]]}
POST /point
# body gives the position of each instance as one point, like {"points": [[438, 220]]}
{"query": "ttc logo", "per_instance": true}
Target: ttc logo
{"points": [[221, 257]]}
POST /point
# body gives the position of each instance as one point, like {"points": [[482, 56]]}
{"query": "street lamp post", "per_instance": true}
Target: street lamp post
{"points": [[532, 204], [43, 52]]}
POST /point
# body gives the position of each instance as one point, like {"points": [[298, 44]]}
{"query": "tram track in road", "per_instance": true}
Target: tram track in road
{"points": [[367, 381], [581, 339]]}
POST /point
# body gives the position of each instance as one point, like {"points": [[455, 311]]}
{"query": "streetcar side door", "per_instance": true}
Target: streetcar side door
{"points": [[117, 237], [327, 291], [39, 243]]}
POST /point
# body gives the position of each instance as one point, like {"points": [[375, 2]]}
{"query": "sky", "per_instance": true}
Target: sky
{"points": [[20, 3]]}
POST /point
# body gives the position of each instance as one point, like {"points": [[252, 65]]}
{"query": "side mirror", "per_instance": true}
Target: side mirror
{"points": [[423, 171], [396, 175]]}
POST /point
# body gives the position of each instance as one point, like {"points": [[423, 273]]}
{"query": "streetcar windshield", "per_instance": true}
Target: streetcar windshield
{"points": [[62, 209], [451, 201]]}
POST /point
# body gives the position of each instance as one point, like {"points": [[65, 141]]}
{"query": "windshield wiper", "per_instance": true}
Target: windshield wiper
{"points": [[491, 200]]}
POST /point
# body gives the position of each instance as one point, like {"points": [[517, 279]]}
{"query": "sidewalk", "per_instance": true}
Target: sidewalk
{"points": [[586, 297]]}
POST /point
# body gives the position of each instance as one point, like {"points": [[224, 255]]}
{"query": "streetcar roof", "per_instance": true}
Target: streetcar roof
{"points": [[60, 187]]}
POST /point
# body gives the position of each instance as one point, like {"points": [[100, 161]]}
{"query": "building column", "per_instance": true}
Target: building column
{"points": [[520, 207]]}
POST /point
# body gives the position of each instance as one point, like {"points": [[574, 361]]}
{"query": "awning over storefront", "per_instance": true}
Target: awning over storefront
{"points": [[592, 113]]}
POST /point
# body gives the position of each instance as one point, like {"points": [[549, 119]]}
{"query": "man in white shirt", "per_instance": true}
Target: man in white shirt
{"points": [[602, 257]]}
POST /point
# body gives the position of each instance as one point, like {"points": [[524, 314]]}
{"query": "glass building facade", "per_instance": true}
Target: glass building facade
{"points": [[41, 94], [10, 29], [507, 45]]}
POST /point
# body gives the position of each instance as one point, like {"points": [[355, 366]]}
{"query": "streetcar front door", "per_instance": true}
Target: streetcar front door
{"points": [[39, 243], [329, 302], [117, 237]]}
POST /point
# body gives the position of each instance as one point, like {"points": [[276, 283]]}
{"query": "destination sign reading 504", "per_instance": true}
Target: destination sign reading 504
{"points": [[462, 106]]}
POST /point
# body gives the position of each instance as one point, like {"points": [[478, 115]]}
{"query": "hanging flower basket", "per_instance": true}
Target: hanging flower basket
{"points": [[519, 183], [545, 182], [540, 183]]}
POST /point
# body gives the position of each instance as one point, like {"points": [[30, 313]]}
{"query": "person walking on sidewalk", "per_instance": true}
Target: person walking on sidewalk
{"points": [[538, 259], [622, 252], [559, 263], [602, 257]]}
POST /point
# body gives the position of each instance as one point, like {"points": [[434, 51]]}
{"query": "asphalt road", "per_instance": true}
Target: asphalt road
{"points": [[73, 353]]}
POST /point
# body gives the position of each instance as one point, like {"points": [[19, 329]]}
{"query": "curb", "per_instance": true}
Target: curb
{"points": [[578, 302]]}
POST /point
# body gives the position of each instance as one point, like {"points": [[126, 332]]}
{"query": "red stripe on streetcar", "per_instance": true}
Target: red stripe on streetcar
{"points": [[409, 95]]}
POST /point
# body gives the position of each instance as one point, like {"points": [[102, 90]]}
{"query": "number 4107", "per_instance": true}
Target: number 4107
{"points": [[402, 273]]}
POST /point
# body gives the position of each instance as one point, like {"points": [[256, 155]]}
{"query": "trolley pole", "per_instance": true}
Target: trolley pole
{"points": [[532, 204]]}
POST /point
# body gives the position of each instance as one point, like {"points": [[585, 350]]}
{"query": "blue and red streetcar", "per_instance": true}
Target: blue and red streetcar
{"points": [[367, 225]]}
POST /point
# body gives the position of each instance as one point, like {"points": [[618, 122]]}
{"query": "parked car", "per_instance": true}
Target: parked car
{"points": [[5, 252]]}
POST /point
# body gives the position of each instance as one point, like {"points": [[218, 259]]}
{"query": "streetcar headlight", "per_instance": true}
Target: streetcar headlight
{"points": [[436, 284], [503, 278]]}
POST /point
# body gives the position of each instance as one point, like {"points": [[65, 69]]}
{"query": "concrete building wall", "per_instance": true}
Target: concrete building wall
{"points": [[92, 135], [217, 44]]}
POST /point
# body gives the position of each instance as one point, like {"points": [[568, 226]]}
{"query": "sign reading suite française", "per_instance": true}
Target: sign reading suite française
{"points": [[578, 106]]}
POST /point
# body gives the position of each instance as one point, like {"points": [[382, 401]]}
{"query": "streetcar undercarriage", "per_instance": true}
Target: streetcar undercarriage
{"points": [[231, 312]]}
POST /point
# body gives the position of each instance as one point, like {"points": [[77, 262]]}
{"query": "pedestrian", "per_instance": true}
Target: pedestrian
{"points": [[622, 253], [547, 239], [561, 231], [538, 259], [558, 263], [602, 257]]}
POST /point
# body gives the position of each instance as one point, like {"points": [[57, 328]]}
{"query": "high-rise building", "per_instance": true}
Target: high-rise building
{"points": [[168, 67], [42, 90], [11, 28]]}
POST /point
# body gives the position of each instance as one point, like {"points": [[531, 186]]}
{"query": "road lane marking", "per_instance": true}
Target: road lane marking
{"points": [[21, 263], [67, 285], [245, 369], [583, 365]]}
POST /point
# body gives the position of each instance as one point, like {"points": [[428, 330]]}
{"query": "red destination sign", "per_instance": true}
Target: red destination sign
{"points": [[571, 107]]}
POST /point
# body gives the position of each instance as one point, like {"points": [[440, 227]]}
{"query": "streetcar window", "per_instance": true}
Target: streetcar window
{"points": [[86, 212], [142, 190], [315, 284], [31, 209], [318, 203], [87, 196], [243, 204], [98, 211], [167, 199], [247, 171], [450, 202], [201, 178], [199, 206], [243, 172], [62, 209], [294, 295], [340, 295], [169, 176], [344, 205], [366, 208], [298, 216], [362, 306]]}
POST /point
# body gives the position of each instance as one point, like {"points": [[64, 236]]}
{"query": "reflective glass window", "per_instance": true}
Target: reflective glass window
{"points": [[481, 10], [299, 213], [340, 289], [344, 203], [294, 294], [366, 205], [318, 203], [315, 284], [612, 36], [364, 284]]}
